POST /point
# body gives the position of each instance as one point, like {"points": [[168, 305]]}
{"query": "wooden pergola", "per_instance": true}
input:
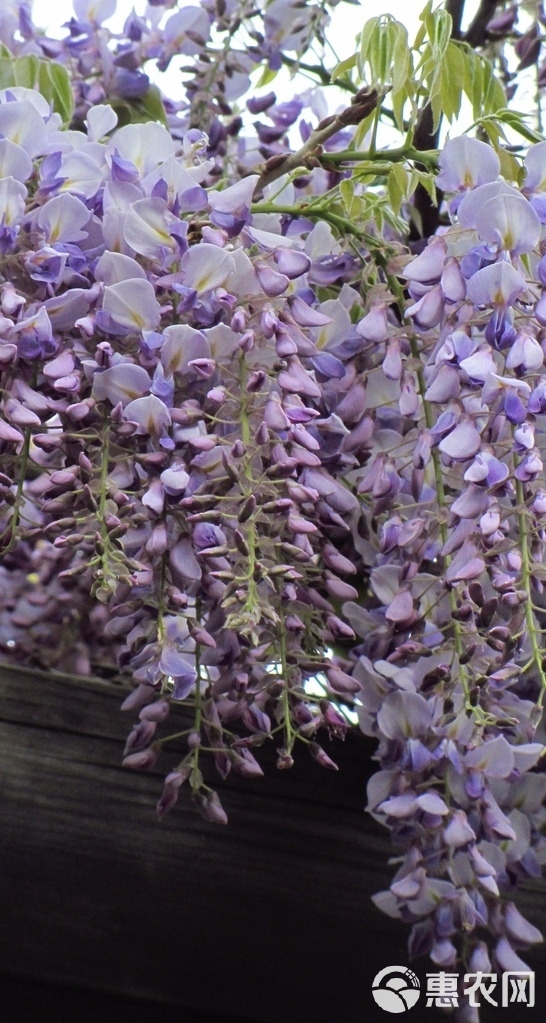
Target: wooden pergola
{"points": [[108, 915]]}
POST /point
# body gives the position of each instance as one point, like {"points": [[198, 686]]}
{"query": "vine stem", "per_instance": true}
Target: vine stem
{"points": [[250, 533], [287, 723], [530, 621], [308, 155], [16, 516]]}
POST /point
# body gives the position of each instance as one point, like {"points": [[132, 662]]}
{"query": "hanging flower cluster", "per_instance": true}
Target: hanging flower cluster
{"points": [[248, 439]]}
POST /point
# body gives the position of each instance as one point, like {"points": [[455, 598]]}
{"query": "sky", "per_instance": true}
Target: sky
{"points": [[49, 15]]}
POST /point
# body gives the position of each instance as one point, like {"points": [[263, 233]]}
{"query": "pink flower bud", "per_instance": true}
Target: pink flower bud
{"points": [[157, 711], [142, 761], [322, 757]]}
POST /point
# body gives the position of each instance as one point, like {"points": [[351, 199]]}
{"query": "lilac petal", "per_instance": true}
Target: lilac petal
{"points": [[443, 953], [209, 805], [472, 202], [100, 120], [494, 758], [507, 959], [462, 443], [60, 366], [509, 222], [9, 433], [399, 806], [16, 412], [540, 309], [257, 104], [328, 366], [466, 565], [488, 469], [518, 928], [374, 326], [147, 228], [183, 344], [428, 311], [392, 363], [427, 267], [154, 497], [132, 304], [513, 406], [235, 198], [151, 414], [12, 204], [206, 266], [305, 315], [472, 501], [444, 386], [274, 415], [114, 267], [452, 282], [400, 610], [527, 755], [535, 178], [122, 382], [495, 820], [14, 161], [538, 202], [292, 263], [272, 282], [174, 480], [183, 684], [341, 683], [458, 832], [525, 353], [496, 285], [296, 380], [404, 715], [21, 123], [62, 219], [479, 365], [183, 561], [410, 886], [432, 803], [465, 163]]}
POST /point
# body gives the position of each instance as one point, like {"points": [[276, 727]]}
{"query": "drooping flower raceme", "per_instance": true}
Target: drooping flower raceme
{"points": [[248, 442]]}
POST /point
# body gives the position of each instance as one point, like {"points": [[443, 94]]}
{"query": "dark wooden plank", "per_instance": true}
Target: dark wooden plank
{"points": [[267, 919]]}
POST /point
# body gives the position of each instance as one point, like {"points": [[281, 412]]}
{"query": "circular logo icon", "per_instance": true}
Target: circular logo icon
{"points": [[396, 989]]}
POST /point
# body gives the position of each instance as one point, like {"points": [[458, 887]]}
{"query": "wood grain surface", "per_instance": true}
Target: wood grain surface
{"points": [[267, 920]]}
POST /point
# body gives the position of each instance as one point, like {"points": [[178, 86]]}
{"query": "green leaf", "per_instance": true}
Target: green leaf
{"points": [[511, 169], [148, 107], [362, 130], [21, 71], [267, 76], [440, 32], [377, 49], [54, 84], [347, 191], [340, 69], [397, 185], [428, 182], [516, 121], [402, 71], [47, 76], [452, 83]]}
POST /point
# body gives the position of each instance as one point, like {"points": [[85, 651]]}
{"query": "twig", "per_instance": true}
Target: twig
{"points": [[476, 33], [308, 155]]}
